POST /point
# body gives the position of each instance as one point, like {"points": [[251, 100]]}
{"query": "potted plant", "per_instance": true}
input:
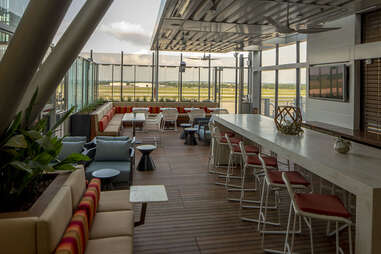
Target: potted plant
{"points": [[80, 122], [28, 152]]}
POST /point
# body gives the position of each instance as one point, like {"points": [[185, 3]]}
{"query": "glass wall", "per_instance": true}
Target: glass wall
{"points": [[129, 83], [168, 83], [268, 93], [105, 80], [287, 79], [11, 12], [143, 83], [287, 87], [190, 84], [228, 89], [204, 83]]}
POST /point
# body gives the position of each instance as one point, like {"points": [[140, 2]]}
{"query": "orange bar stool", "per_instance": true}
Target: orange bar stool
{"points": [[235, 154], [273, 181], [252, 161], [315, 206]]}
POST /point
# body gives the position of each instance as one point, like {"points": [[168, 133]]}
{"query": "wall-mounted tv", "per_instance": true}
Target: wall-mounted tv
{"points": [[328, 82]]}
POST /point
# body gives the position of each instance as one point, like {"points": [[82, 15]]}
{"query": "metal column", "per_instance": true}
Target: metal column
{"points": [[199, 83], [209, 76], [276, 78], [180, 79], [257, 93], [298, 104], [153, 76], [121, 76], [157, 72], [236, 84], [215, 83], [241, 81]]}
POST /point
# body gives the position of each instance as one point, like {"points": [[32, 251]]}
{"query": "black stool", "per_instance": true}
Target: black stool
{"points": [[190, 138], [184, 125], [146, 163]]}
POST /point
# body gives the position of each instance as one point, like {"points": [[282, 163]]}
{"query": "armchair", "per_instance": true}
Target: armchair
{"points": [[170, 116]]}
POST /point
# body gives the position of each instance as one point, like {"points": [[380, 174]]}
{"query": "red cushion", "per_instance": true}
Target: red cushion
{"points": [[206, 110], [113, 111], [181, 110], [123, 110], [118, 110], [230, 134], [234, 141], [109, 115], [102, 124], [295, 177], [269, 161], [321, 204], [248, 149], [154, 110], [129, 109]]}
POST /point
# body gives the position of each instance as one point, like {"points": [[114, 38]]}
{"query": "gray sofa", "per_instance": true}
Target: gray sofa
{"points": [[111, 157]]}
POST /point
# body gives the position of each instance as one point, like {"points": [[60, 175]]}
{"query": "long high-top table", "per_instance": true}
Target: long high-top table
{"points": [[358, 172]]}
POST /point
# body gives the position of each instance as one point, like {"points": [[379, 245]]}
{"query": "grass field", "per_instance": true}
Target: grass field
{"points": [[286, 96]]}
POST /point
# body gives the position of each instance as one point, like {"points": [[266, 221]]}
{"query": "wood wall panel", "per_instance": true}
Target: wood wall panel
{"points": [[371, 27], [371, 98]]}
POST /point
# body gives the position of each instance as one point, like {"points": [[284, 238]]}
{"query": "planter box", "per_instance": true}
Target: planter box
{"points": [[19, 230], [80, 125]]}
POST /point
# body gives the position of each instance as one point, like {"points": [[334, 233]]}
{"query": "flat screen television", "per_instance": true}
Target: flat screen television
{"points": [[328, 82]]}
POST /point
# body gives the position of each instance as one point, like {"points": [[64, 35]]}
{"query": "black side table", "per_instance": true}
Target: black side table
{"points": [[106, 175], [190, 138], [146, 163], [184, 125]]}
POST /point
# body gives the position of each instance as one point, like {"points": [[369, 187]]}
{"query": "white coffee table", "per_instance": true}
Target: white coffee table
{"points": [[133, 118], [145, 194]]}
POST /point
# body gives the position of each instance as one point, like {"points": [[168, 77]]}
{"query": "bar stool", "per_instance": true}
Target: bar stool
{"points": [[253, 162], [273, 182], [234, 155], [316, 206]]}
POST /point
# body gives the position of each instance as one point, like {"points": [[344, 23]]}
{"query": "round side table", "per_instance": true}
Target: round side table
{"points": [[184, 125], [106, 175], [146, 163], [190, 138]]}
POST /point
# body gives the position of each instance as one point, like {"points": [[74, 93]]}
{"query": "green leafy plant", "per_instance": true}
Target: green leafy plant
{"points": [[28, 151]]}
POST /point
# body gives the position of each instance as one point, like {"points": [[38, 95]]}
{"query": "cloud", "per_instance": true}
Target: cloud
{"points": [[129, 32]]}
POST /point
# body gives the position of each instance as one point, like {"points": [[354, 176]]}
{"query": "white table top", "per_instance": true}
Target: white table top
{"points": [[214, 109], [137, 117], [168, 108], [148, 194], [190, 109], [359, 171], [142, 109]]}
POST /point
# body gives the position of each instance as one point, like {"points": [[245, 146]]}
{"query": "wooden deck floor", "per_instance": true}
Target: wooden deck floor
{"points": [[198, 218]]}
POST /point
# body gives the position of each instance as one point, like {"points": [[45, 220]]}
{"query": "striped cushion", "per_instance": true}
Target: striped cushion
{"points": [[88, 205], [76, 235], [96, 183]]}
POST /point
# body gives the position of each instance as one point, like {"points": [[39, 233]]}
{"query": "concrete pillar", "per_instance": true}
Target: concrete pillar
{"points": [[65, 52], [25, 52]]}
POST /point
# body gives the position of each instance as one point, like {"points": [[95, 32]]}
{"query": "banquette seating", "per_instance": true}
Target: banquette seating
{"points": [[107, 120], [79, 219]]}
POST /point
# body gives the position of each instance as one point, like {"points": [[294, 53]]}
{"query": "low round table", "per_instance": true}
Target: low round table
{"points": [[184, 125], [146, 163], [106, 175], [190, 138]]}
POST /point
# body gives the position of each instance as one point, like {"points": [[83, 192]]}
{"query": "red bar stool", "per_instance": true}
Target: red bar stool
{"points": [[316, 206], [235, 154], [273, 182], [253, 162]]}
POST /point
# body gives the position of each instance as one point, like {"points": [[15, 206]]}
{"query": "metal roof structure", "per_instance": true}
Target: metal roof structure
{"points": [[221, 26]]}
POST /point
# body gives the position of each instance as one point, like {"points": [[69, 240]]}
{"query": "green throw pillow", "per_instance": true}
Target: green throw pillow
{"points": [[112, 150], [69, 148]]}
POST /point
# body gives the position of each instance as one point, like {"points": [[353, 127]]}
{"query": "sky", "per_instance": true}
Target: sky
{"points": [[128, 26]]}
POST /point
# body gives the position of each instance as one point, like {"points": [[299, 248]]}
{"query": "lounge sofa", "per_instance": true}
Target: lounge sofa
{"points": [[113, 152], [105, 121], [111, 231]]}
